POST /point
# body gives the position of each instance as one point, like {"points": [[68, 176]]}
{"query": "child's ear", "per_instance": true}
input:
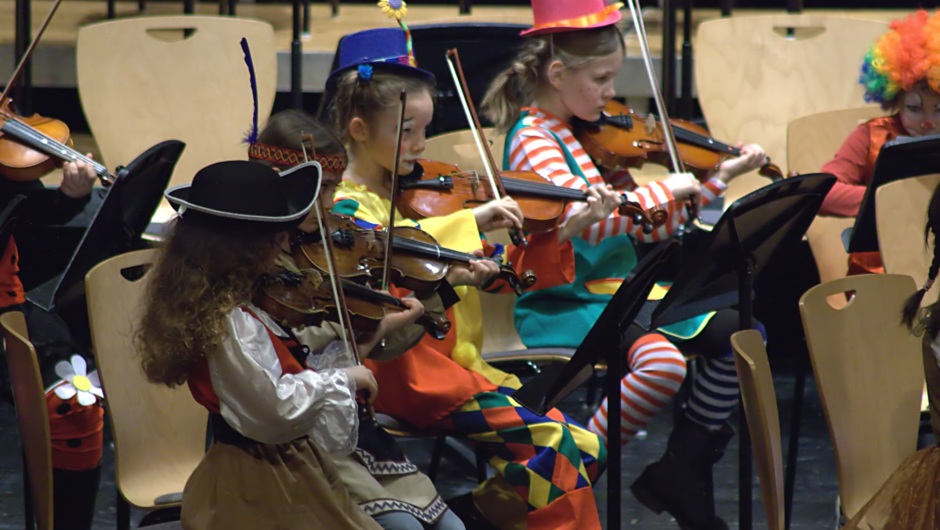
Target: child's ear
{"points": [[554, 73], [358, 130]]}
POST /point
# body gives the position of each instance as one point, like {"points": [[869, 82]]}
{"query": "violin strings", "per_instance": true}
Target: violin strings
{"points": [[45, 143], [533, 188]]}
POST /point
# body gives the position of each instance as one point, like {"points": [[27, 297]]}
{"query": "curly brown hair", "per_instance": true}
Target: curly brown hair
{"points": [[199, 278]]}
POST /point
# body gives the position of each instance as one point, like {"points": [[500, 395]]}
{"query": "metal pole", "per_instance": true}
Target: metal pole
{"points": [[296, 56], [725, 6], [745, 467], [668, 82], [687, 58], [23, 88]]}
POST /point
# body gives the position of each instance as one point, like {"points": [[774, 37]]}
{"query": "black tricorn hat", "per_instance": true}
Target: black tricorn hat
{"points": [[240, 195]]}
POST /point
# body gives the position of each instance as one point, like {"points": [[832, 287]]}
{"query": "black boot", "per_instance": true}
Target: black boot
{"points": [[681, 481]]}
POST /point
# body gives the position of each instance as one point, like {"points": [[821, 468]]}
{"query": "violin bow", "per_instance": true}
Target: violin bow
{"points": [[489, 163], [349, 336], [29, 51], [669, 135], [391, 211]]}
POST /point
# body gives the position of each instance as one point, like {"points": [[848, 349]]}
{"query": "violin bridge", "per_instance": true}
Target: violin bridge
{"points": [[650, 123], [475, 182]]}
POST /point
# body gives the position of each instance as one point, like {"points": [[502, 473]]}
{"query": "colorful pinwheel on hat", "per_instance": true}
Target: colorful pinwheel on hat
{"points": [[397, 9], [77, 380]]}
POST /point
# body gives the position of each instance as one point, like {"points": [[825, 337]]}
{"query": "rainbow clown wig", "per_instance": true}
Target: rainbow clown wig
{"points": [[904, 56]]}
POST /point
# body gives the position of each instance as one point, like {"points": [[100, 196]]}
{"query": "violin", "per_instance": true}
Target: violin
{"points": [[298, 299], [623, 139], [438, 188], [418, 264], [30, 147]]}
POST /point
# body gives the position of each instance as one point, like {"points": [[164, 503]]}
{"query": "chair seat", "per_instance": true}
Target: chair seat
{"points": [[530, 354]]}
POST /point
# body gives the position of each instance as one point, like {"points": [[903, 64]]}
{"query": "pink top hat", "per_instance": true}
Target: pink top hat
{"points": [[553, 16]]}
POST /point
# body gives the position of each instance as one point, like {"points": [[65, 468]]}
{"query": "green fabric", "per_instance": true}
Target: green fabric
{"points": [[563, 315]]}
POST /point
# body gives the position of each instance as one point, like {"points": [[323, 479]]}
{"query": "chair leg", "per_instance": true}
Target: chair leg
{"points": [[481, 464], [123, 513], [796, 420], [111, 9], [436, 454]]}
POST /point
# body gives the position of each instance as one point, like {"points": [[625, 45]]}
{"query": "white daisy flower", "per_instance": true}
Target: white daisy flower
{"points": [[78, 381]]}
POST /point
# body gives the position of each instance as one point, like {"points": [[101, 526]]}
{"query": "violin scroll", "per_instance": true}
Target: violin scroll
{"points": [[649, 219]]}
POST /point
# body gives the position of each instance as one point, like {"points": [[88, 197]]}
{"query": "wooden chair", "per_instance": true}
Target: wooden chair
{"points": [[148, 79], [763, 422], [33, 420], [869, 374], [900, 219], [159, 433], [744, 75], [811, 142]]}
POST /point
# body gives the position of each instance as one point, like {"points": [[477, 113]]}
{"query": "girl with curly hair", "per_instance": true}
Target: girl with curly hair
{"points": [[274, 420], [902, 73]]}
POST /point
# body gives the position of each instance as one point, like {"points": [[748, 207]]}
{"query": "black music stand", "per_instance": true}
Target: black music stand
{"points": [[118, 224], [486, 49], [743, 241], [901, 158], [555, 382]]}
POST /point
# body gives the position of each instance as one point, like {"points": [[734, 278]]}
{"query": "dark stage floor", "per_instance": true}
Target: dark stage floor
{"points": [[814, 504]]}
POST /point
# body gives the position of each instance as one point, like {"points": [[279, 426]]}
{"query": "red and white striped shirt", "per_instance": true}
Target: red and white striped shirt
{"points": [[534, 148]]}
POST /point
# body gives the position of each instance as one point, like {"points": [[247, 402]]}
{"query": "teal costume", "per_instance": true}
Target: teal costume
{"points": [[562, 315]]}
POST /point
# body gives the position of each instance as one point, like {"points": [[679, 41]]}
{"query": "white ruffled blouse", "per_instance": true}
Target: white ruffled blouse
{"points": [[263, 403]]}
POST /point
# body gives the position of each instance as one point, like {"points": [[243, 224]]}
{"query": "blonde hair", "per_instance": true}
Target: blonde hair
{"points": [[359, 98], [199, 278], [516, 86]]}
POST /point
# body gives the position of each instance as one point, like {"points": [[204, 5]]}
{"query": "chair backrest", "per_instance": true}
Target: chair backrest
{"points": [[148, 79], [159, 432], [458, 147], [747, 81], [763, 421], [900, 219], [869, 375], [811, 142], [31, 415]]}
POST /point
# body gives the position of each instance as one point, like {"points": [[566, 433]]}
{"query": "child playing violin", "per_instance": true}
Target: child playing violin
{"points": [[911, 495], [274, 420], [545, 465], [379, 477], [566, 71], [899, 72]]}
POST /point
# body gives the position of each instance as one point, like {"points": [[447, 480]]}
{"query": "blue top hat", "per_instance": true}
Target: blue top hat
{"points": [[384, 49]]}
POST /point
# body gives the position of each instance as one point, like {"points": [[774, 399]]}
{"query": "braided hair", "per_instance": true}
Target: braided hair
{"points": [[516, 86], [912, 306]]}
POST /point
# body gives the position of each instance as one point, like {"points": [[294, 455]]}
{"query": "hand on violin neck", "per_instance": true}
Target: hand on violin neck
{"points": [[752, 157], [496, 214], [601, 202], [476, 273], [78, 179], [397, 320]]}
